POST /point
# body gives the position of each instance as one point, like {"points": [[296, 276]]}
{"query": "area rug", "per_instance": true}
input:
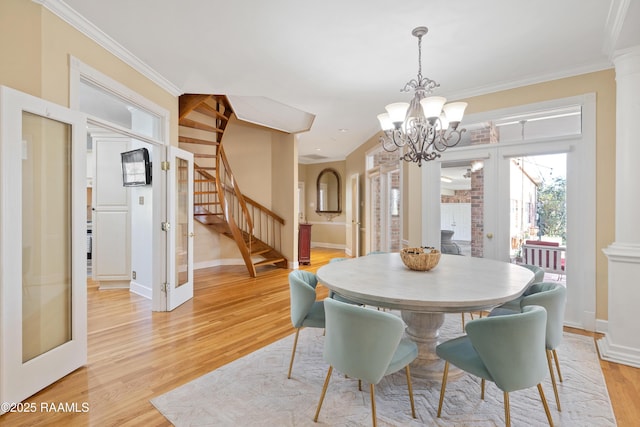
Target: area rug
{"points": [[255, 391]]}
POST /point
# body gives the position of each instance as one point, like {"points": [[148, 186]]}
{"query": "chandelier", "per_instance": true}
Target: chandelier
{"points": [[426, 126]]}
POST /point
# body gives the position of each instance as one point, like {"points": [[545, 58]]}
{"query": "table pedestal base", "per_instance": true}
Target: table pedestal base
{"points": [[424, 330]]}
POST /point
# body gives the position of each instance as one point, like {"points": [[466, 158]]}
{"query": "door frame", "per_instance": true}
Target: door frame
{"points": [[353, 216], [581, 202], [80, 71]]}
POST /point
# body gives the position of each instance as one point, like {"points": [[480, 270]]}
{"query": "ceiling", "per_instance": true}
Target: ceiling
{"points": [[343, 61]]}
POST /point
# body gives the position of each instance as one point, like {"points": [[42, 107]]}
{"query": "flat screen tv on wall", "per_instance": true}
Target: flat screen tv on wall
{"points": [[136, 168]]}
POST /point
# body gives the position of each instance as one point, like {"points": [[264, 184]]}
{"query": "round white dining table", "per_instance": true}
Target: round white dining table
{"points": [[457, 284]]}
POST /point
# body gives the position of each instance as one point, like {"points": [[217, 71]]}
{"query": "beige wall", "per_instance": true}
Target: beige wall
{"points": [[284, 186], [324, 231], [39, 63]]}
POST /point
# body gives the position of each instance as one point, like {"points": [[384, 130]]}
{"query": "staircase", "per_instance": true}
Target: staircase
{"points": [[218, 202]]}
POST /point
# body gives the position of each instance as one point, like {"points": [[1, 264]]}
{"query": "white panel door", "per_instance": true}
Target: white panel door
{"points": [[111, 256], [43, 291], [179, 227]]}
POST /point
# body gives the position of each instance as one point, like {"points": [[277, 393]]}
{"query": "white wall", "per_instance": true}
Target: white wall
{"points": [[141, 209]]}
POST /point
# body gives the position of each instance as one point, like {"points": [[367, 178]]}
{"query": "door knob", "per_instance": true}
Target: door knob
{"points": [[489, 235]]}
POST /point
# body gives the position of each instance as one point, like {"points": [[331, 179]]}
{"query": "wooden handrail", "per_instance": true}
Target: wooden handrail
{"points": [[265, 210]]}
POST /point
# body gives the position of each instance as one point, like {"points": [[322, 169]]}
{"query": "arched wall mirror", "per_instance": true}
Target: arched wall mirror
{"points": [[329, 192]]}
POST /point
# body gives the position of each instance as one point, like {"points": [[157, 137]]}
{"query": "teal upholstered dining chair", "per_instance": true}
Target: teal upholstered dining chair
{"points": [[507, 350], [305, 310], [538, 272], [365, 344], [538, 277], [553, 297]]}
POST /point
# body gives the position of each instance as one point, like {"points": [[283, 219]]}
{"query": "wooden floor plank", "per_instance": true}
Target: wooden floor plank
{"points": [[135, 355]]}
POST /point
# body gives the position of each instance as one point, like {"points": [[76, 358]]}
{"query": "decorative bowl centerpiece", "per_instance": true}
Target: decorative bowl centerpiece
{"points": [[420, 259]]}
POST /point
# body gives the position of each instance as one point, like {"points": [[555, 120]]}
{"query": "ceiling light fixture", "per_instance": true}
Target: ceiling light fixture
{"points": [[426, 126]]}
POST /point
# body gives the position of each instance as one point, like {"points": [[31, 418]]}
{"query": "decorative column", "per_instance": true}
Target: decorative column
{"points": [[621, 343]]}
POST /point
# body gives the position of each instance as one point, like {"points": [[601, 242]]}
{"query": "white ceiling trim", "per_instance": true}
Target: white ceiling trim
{"points": [[591, 68], [615, 22], [70, 16]]}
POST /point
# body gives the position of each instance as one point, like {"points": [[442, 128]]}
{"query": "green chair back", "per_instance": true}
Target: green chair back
{"points": [[511, 347], [360, 342]]}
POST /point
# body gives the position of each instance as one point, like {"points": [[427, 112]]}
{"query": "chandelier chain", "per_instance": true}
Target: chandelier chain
{"points": [[419, 58]]}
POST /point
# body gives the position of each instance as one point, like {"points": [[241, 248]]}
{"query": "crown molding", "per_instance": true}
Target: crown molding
{"points": [[614, 24], [80, 23], [531, 80]]}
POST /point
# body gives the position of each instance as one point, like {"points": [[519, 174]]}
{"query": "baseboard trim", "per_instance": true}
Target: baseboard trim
{"points": [[617, 353], [113, 284], [327, 245], [138, 289], [602, 326]]}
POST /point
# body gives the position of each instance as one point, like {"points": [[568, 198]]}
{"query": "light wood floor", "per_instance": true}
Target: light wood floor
{"points": [[135, 355]]}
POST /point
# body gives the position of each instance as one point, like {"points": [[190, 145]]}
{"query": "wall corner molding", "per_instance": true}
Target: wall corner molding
{"points": [[80, 23]]}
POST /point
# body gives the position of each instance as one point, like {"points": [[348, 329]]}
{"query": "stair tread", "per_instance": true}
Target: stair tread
{"points": [[193, 124], [268, 261], [189, 140]]}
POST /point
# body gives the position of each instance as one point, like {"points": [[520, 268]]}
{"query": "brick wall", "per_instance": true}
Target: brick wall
{"points": [[382, 158], [487, 135]]}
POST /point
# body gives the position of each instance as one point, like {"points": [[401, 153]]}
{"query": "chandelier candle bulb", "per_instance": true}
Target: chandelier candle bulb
{"points": [[454, 111], [397, 112], [425, 127], [432, 107], [385, 121]]}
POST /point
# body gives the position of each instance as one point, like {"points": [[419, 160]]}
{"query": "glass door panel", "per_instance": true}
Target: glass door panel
{"points": [[375, 233], [462, 208], [46, 235], [182, 222], [392, 217], [538, 213], [180, 228]]}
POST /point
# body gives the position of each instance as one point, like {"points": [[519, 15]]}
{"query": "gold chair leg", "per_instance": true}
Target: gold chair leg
{"points": [[544, 403], [372, 387], [413, 406], [482, 389], [359, 385], [553, 379], [444, 385], [507, 410], [324, 391], [555, 357], [462, 321], [293, 353]]}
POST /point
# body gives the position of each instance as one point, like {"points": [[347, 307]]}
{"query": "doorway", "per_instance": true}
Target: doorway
{"points": [[127, 117], [506, 221]]}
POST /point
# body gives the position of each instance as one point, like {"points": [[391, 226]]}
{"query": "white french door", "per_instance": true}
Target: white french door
{"points": [[43, 311], [495, 236], [180, 227], [384, 208]]}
